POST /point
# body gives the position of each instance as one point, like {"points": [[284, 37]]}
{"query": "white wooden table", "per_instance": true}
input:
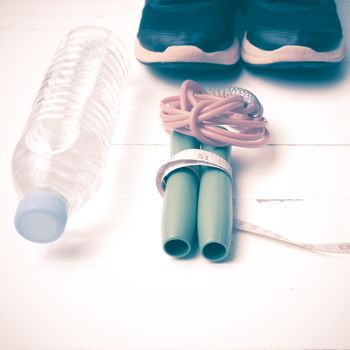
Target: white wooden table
{"points": [[106, 284]]}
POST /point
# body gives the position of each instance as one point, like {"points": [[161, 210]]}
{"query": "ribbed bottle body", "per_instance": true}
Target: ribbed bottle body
{"points": [[68, 133]]}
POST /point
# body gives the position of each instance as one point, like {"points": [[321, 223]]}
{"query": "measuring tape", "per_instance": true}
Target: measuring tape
{"points": [[191, 159], [194, 158], [326, 248]]}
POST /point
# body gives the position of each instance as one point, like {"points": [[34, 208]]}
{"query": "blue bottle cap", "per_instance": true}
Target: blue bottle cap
{"points": [[41, 216]]}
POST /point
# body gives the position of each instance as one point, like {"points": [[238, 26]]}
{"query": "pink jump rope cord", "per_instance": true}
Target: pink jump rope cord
{"points": [[197, 113]]}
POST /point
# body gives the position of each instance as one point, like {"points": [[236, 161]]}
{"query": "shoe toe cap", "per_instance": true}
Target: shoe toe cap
{"points": [[207, 41]]}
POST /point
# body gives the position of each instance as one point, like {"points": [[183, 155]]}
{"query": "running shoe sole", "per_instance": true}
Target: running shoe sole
{"points": [[290, 56], [188, 56]]}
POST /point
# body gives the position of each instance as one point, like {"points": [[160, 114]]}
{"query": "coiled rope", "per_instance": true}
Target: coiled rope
{"points": [[222, 118]]}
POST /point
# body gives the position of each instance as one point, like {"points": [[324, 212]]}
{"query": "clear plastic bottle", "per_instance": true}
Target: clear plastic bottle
{"points": [[59, 161]]}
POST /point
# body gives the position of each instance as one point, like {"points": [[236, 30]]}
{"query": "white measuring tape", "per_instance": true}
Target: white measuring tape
{"points": [[193, 158], [326, 248]]}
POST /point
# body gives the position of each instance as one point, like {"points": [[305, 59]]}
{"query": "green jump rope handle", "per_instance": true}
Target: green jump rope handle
{"points": [[215, 209], [179, 217]]}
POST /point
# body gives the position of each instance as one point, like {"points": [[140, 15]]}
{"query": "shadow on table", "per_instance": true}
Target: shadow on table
{"points": [[306, 77], [204, 76], [81, 245], [102, 216]]}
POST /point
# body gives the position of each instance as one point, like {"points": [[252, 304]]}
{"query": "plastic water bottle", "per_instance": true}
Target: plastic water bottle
{"points": [[59, 161]]}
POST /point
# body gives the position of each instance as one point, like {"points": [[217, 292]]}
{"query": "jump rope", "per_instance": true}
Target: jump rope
{"points": [[196, 182]]}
